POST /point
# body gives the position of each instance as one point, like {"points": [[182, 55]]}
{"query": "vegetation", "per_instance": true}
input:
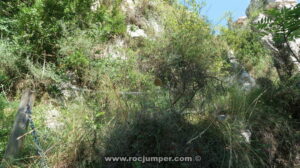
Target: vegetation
{"points": [[282, 24], [102, 92]]}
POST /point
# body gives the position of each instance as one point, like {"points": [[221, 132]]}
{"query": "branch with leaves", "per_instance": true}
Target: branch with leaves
{"points": [[283, 24]]}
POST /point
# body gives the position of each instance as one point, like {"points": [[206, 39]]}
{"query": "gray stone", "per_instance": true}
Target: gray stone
{"points": [[134, 31], [246, 134], [52, 119]]}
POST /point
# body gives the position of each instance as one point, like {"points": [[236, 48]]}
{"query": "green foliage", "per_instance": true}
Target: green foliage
{"points": [[282, 23], [39, 25], [185, 57], [7, 113], [35, 33], [247, 46], [158, 96], [2, 132], [260, 112], [255, 8], [112, 22], [77, 61], [10, 63], [2, 106]]}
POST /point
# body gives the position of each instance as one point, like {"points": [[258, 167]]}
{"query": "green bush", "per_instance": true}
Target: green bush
{"points": [[247, 46], [39, 25], [77, 61], [186, 56], [112, 21], [11, 64]]}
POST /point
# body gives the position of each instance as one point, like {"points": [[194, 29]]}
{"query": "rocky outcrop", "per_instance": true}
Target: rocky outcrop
{"points": [[138, 26], [281, 3], [255, 5], [260, 4], [139, 23], [242, 21]]}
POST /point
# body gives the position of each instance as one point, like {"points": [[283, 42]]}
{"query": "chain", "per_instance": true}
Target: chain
{"points": [[36, 139]]}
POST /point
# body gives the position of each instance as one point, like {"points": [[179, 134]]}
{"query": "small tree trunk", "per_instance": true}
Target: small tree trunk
{"points": [[16, 140]]}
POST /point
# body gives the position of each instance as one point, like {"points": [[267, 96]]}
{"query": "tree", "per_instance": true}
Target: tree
{"points": [[284, 26]]}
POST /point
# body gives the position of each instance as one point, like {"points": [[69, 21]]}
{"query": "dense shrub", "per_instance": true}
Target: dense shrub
{"points": [[39, 25], [187, 56], [247, 46], [11, 64], [33, 31]]}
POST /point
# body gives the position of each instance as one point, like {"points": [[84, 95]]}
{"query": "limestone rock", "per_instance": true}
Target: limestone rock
{"points": [[281, 3], [255, 5], [52, 119], [242, 20], [134, 31], [260, 4], [95, 5], [247, 135], [295, 47]]}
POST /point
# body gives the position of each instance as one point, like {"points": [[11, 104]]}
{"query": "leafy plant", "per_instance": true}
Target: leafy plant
{"points": [[187, 56], [283, 24], [248, 48]]}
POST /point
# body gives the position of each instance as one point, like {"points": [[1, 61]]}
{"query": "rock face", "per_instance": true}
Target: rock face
{"points": [[255, 5], [138, 26], [281, 3], [295, 47], [243, 20], [241, 75], [259, 4]]}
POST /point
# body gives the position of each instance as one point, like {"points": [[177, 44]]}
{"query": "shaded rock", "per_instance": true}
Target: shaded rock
{"points": [[222, 117]]}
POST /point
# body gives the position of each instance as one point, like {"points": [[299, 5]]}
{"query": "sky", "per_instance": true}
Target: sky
{"points": [[215, 10]]}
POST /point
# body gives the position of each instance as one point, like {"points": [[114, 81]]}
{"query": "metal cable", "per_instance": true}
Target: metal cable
{"points": [[36, 141]]}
